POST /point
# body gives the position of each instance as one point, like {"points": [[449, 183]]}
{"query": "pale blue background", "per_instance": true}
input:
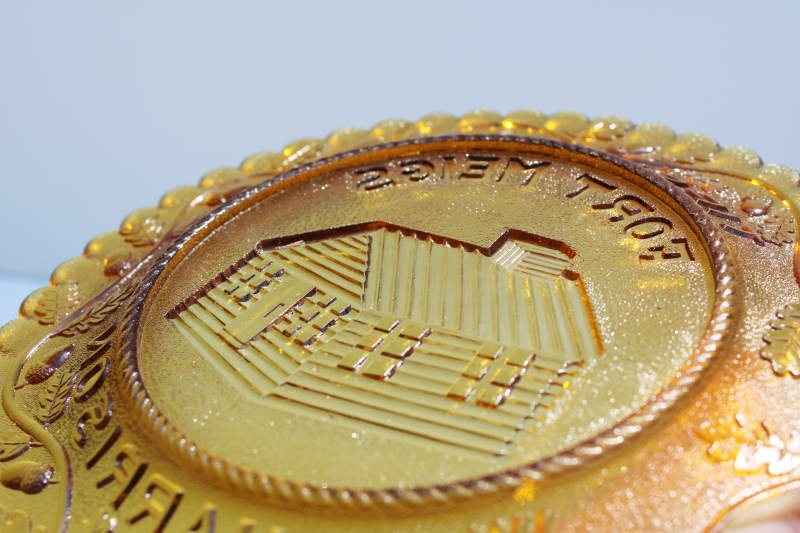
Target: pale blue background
{"points": [[104, 106]]}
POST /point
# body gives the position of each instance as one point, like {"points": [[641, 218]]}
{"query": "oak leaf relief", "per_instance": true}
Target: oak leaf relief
{"points": [[752, 447], [97, 314], [783, 342], [777, 229], [17, 521], [54, 304], [13, 444], [72, 284], [54, 402], [143, 227]]}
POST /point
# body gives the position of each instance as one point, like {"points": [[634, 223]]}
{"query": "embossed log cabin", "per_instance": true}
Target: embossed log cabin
{"points": [[388, 326]]}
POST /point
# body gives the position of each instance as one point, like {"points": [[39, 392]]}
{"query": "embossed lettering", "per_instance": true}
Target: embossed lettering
{"points": [[161, 499], [647, 228], [665, 253], [207, 520], [97, 348], [625, 207], [129, 467], [111, 439], [514, 170], [417, 170], [98, 417], [373, 178], [479, 167], [91, 382], [589, 184], [634, 211], [448, 165], [517, 171]]}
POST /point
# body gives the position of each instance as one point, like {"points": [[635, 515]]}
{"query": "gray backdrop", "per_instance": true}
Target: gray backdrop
{"points": [[105, 106]]}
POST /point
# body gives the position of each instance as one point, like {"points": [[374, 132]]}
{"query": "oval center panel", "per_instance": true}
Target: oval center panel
{"points": [[419, 315]]}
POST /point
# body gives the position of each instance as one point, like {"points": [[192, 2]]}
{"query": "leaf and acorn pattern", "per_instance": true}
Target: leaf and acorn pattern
{"points": [[18, 521], [97, 314], [752, 447], [54, 402], [14, 443], [30, 477], [783, 342], [777, 228]]}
